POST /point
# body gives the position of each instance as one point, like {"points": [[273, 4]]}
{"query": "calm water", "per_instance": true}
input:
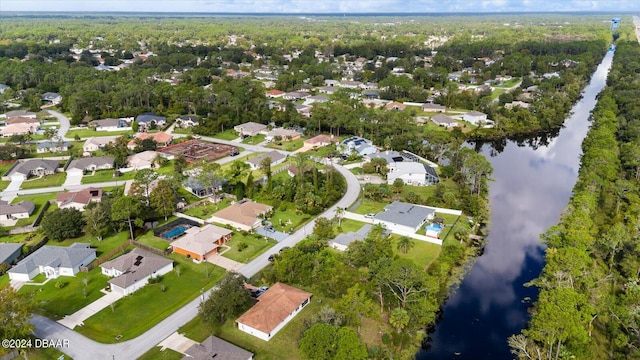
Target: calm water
{"points": [[531, 187]]}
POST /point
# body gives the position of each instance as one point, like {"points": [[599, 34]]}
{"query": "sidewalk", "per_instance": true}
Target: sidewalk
{"points": [[223, 262], [77, 318]]}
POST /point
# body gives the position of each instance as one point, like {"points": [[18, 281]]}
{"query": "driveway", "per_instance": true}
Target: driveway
{"points": [[275, 235], [88, 311], [177, 342], [11, 191], [73, 179], [225, 263], [65, 124]]}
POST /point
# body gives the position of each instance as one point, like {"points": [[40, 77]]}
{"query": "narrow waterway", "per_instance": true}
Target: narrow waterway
{"points": [[532, 185]]}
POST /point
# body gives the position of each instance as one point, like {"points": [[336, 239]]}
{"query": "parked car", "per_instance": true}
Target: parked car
{"points": [[272, 258], [370, 216], [283, 249]]}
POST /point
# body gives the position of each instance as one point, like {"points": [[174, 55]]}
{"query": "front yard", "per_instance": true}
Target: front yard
{"points": [[229, 135], [256, 245], [287, 145], [88, 133], [56, 179], [106, 175], [254, 140]]}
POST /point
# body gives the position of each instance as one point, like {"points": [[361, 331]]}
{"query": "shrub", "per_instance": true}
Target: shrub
{"points": [[242, 246], [60, 284]]}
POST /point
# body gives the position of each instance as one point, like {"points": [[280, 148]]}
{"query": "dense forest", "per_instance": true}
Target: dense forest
{"points": [[589, 303]]}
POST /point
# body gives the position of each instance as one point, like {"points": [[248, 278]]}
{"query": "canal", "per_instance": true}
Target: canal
{"points": [[532, 185]]}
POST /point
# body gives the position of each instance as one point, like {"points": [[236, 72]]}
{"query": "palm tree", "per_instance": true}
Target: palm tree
{"points": [[405, 243], [340, 214]]}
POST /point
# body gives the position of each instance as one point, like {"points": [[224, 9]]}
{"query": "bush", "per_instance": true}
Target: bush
{"points": [[155, 279], [242, 246], [60, 284]]}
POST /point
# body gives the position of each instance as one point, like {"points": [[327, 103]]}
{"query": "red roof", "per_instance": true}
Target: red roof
{"points": [[275, 92]]}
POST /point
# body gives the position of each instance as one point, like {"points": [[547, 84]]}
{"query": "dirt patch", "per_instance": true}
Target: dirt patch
{"points": [[198, 151]]}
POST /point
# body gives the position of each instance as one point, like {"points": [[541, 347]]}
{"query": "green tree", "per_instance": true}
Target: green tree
{"points": [[145, 178], [211, 178], [323, 229], [405, 243], [97, 216], [180, 164], [135, 126], [399, 319], [162, 198], [15, 312], [398, 185], [355, 305], [119, 150], [62, 224], [319, 342], [129, 210], [349, 346], [229, 298]]}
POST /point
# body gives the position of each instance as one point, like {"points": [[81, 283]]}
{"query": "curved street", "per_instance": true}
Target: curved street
{"points": [[81, 347], [65, 124]]}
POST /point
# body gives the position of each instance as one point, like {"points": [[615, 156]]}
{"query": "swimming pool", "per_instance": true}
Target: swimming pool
{"points": [[433, 227], [174, 233]]}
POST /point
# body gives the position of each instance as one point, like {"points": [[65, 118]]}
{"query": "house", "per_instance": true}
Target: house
{"points": [[350, 84], [22, 120], [53, 261], [275, 94], [52, 146], [394, 105], [197, 188], [133, 270], [404, 218], [274, 309], [10, 213], [316, 99], [110, 125], [78, 199], [444, 120], [276, 159], [517, 104], [143, 160], [283, 134], [371, 94], [295, 95], [320, 141], [201, 243], [389, 155], [475, 117], [19, 113], [10, 252], [218, 349], [331, 83], [52, 97], [369, 86], [187, 121], [412, 173], [342, 241], [97, 143], [243, 215], [161, 139], [304, 110], [329, 90], [430, 107], [18, 129], [357, 145], [34, 167], [250, 129], [150, 120], [79, 166]]}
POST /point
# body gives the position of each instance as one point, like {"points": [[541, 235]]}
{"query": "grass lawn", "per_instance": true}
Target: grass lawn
{"points": [[140, 311], [107, 175], [229, 134], [43, 354], [348, 225], [153, 241], [283, 346], [256, 246], [56, 179], [287, 145], [88, 133], [289, 219], [368, 206], [56, 303], [187, 131], [39, 200], [254, 140], [206, 209], [157, 354], [422, 253], [4, 167]]}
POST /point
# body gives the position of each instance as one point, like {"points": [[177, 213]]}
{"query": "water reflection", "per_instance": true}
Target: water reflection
{"points": [[533, 182]]}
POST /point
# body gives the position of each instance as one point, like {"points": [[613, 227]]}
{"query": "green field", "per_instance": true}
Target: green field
{"points": [[107, 175], [229, 135], [287, 145], [158, 354], [88, 133], [256, 245], [254, 140]]}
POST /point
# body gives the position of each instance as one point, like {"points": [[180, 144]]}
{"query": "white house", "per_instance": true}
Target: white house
{"points": [[275, 156], [475, 117], [53, 261], [79, 166], [274, 309], [342, 241], [10, 213], [97, 143], [111, 125], [411, 173], [444, 120], [133, 270], [404, 218], [358, 145], [78, 199]]}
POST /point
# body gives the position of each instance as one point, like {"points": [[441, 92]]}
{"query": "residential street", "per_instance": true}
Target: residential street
{"points": [[64, 124], [81, 347]]}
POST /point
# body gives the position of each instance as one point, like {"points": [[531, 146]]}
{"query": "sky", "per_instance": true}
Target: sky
{"points": [[322, 6]]}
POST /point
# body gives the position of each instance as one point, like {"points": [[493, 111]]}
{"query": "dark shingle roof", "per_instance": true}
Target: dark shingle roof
{"points": [[405, 214], [214, 347]]}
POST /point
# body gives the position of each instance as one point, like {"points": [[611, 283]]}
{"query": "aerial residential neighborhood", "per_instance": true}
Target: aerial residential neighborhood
{"points": [[307, 187]]}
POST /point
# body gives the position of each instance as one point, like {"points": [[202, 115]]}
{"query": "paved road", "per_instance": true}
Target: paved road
{"points": [[65, 124], [81, 347]]}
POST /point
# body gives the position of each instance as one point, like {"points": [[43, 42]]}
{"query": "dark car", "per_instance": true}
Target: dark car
{"points": [[272, 257], [283, 249]]}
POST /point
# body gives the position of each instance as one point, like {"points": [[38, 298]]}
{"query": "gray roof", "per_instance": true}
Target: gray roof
{"points": [[109, 122], [50, 96], [54, 256], [22, 206], [405, 214], [9, 250], [28, 165], [84, 163], [348, 238], [52, 144], [147, 118], [213, 347], [135, 265], [442, 119], [390, 156], [273, 155], [18, 113]]}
